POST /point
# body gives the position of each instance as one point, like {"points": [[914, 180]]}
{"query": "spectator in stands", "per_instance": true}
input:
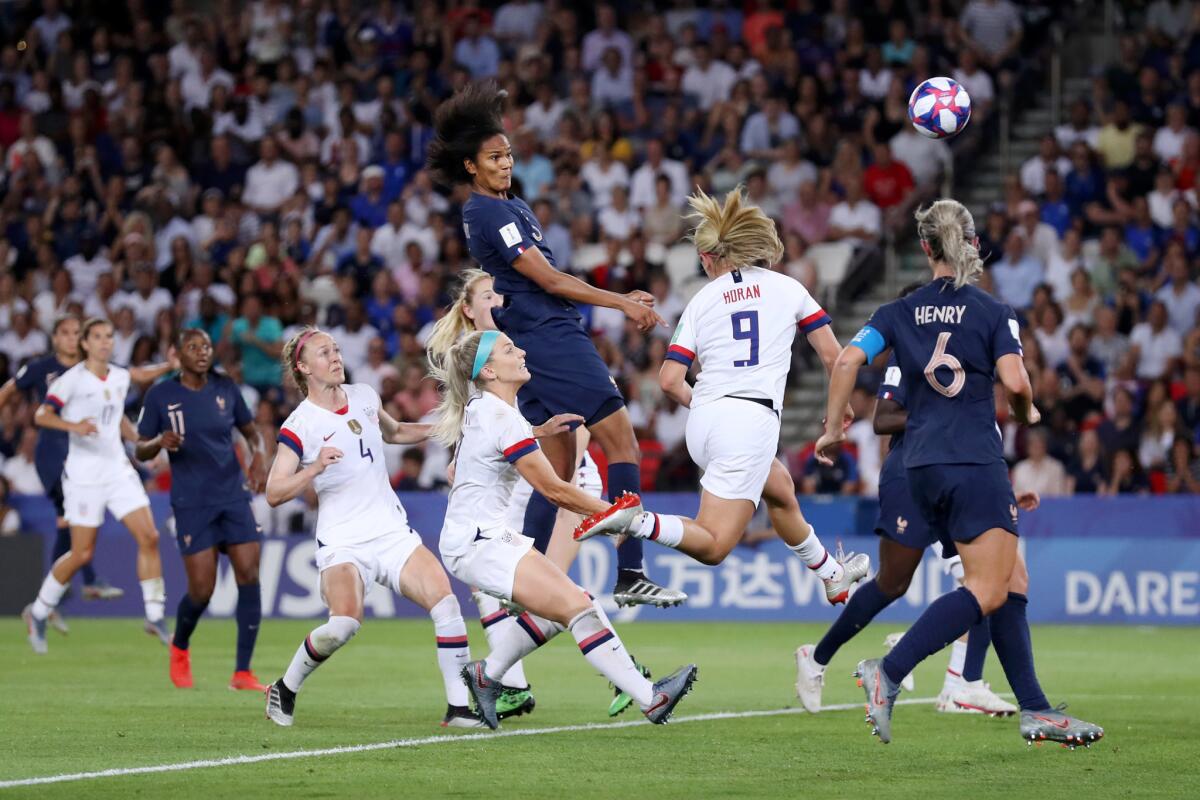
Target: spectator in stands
{"points": [[977, 82], [258, 339], [1169, 139], [1040, 472], [1081, 376], [855, 219], [1048, 158], [271, 181], [1158, 433], [1179, 295], [888, 183], [1018, 273], [866, 442], [808, 217], [927, 159], [642, 193], [1157, 347], [1087, 473], [839, 478], [1112, 258], [408, 479], [1118, 138], [662, 222], [1183, 467], [1126, 475], [1078, 128], [1189, 405], [1064, 262]]}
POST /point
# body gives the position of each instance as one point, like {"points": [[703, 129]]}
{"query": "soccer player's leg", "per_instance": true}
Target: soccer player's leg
{"points": [[422, 579], [200, 564], [149, 564], [550, 595], [241, 540], [54, 586], [897, 564], [342, 588]]}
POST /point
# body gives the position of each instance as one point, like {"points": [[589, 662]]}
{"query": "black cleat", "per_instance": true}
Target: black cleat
{"points": [[635, 589], [281, 704], [461, 717]]}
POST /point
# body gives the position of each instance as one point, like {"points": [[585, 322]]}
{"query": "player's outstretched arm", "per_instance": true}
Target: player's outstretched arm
{"points": [[286, 482], [841, 384], [1015, 379], [824, 342], [149, 374], [402, 432], [7, 392], [672, 379], [533, 265], [890, 417], [535, 468]]}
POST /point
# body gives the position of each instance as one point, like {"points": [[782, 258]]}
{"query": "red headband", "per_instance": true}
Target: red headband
{"points": [[304, 337]]}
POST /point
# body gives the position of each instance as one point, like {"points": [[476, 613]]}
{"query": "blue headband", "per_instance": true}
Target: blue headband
{"points": [[486, 342]]}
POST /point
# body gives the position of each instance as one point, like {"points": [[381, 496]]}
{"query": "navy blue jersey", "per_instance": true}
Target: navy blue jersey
{"points": [[205, 469], [497, 232], [947, 340], [34, 379]]}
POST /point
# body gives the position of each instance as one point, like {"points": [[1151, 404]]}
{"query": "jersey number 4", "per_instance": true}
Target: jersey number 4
{"points": [[941, 358], [364, 452], [745, 326]]}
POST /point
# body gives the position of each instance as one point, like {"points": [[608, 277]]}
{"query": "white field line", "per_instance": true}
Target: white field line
{"points": [[233, 761]]}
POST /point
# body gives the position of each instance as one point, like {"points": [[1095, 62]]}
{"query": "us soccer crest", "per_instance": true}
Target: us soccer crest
{"points": [[355, 427], [220, 403]]}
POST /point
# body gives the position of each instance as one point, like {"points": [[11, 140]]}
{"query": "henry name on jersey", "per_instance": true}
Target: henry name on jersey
{"points": [[948, 315]]}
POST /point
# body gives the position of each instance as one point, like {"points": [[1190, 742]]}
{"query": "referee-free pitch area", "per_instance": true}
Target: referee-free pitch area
{"points": [[101, 701]]}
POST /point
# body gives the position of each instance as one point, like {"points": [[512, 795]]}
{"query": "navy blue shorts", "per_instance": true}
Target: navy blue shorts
{"points": [[199, 529], [50, 474], [568, 375], [962, 501]]}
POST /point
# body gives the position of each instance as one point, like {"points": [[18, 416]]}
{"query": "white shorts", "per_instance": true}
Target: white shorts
{"points": [[378, 561], [587, 477], [85, 504], [490, 563], [734, 442]]}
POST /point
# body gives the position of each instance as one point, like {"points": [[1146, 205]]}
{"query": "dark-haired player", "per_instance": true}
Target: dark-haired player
{"points": [[958, 339], [33, 379], [540, 316], [193, 417]]}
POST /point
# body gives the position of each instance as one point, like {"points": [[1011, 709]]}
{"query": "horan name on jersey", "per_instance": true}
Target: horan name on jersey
{"points": [[739, 293]]}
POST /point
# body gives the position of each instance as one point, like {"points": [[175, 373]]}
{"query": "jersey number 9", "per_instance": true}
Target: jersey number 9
{"points": [[745, 326], [941, 358]]}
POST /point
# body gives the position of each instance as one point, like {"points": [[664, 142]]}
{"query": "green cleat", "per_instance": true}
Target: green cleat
{"points": [[623, 701], [514, 702]]}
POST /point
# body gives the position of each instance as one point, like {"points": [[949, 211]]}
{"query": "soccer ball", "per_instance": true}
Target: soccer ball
{"points": [[939, 108]]}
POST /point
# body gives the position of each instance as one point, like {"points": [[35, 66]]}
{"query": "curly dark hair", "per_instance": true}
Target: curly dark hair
{"points": [[462, 124]]}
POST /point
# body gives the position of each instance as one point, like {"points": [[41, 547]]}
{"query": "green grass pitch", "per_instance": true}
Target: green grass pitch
{"points": [[101, 700]]}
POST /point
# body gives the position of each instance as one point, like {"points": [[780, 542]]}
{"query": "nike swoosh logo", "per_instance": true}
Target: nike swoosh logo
{"points": [[327, 438], [1063, 724], [661, 699], [173, 406]]}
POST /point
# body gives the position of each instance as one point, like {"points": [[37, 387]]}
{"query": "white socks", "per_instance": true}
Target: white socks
{"points": [[453, 652], [818, 559], [320, 645], [491, 614], [48, 597], [958, 657], [154, 596], [666, 529], [514, 639], [604, 651]]}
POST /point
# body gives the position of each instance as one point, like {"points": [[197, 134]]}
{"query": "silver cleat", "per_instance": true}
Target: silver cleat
{"points": [[158, 630], [37, 630], [855, 567], [668, 692], [1053, 725], [881, 696], [484, 691], [58, 622], [635, 589], [281, 704]]}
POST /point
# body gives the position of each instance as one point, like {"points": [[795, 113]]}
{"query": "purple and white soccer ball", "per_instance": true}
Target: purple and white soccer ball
{"points": [[939, 108]]}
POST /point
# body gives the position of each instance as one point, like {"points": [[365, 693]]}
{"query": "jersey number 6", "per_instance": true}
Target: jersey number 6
{"points": [[941, 358], [749, 331]]}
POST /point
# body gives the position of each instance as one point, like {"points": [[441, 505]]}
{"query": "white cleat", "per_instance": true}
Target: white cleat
{"points": [[975, 697], [810, 679], [889, 641]]}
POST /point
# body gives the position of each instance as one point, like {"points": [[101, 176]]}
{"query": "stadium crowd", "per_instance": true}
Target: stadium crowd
{"points": [[260, 166]]}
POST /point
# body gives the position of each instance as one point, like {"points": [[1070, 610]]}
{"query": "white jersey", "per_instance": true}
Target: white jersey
{"points": [[741, 327], [79, 395], [494, 437], [356, 500]]}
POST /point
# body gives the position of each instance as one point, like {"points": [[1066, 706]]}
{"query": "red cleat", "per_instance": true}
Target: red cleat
{"points": [[612, 521], [181, 668], [245, 681]]}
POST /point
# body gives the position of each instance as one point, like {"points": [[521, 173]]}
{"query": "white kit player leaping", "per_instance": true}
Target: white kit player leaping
{"points": [[333, 442], [741, 327], [495, 446], [88, 401]]}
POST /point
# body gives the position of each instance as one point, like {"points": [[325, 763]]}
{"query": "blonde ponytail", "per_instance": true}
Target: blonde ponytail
{"points": [[737, 233], [453, 371], [949, 230], [455, 323]]}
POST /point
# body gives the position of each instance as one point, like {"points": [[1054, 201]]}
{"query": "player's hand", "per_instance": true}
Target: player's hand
{"points": [[173, 359], [327, 456], [1028, 501], [847, 417], [1035, 416], [86, 427], [638, 296], [257, 475], [559, 423], [644, 316], [828, 443], [170, 440]]}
